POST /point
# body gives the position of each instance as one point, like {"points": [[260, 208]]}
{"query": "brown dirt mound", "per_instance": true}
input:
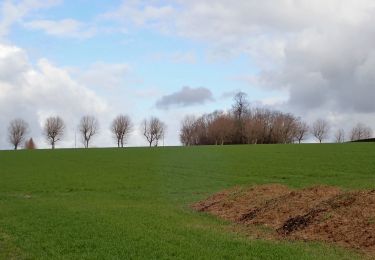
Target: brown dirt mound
{"points": [[318, 213]]}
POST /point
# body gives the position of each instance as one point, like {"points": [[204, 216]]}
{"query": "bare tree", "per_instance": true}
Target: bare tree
{"points": [[340, 136], [153, 130], [360, 131], [320, 129], [54, 130], [88, 127], [240, 110], [16, 132], [241, 105], [121, 127], [188, 131], [301, 131]]}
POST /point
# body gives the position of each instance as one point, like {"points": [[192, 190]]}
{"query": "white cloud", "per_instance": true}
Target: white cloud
{"points": [[35, 92], [141, 13], [104, 75], [69, 28], [321, 53], [12, 11], [186, 57]]}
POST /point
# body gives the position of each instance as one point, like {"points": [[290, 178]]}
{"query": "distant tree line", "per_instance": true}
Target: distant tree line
{"points": [[153, 130], [246, 125], [242, 124]]}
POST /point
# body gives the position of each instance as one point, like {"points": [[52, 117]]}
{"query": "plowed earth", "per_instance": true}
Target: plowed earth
{"points": [[318, 213]]}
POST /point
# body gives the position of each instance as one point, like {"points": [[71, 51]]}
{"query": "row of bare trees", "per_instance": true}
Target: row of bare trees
{"points": [[246, 125], [321, 129], [241, 125], [359, 132], [54, 128]]}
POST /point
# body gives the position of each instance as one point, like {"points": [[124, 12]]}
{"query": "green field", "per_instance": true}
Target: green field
{"points": [[134, 202]]}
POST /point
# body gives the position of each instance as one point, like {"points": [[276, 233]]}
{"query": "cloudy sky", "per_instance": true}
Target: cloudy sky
{"points": [[315, 59]]}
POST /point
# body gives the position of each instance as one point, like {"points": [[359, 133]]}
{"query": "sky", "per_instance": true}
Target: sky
{"points": [[171, 58]]}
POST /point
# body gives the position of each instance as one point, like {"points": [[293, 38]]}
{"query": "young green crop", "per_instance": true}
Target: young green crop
{"points": [[134, 202]]}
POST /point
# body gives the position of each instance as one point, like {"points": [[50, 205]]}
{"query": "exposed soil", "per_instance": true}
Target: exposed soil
{"points": [[318, 213]]}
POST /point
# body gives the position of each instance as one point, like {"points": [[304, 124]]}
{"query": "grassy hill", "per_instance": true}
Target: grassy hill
{"points": [[134, 202]]}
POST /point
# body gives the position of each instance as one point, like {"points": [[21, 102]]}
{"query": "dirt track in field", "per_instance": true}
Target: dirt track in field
{"points": [[320, 213]]}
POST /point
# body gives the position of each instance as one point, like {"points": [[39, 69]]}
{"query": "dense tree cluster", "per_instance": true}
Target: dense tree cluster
{"points": [[243, 125], [257, 126], [246, 125]]}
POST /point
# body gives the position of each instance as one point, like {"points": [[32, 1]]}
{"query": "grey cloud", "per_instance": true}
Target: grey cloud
{"points": [[321, 52], [328, 70], [229, 94], [187, 96]]}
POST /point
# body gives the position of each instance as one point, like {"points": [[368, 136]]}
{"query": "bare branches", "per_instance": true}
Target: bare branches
{"points": [[240, 125], [340, 136], [188, 131], [153, 130], [302, 130], [54, 130], [221, 129], [261, 126], [241, 105], [360, 131], [240, 111], [320, 129], [88, 127], [16, 132], [121, 127]]}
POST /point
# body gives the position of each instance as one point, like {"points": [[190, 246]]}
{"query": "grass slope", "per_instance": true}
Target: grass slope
{"points": [[134, 203]]}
